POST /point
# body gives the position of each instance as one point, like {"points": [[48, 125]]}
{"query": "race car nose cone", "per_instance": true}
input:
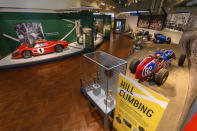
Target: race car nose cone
{"points": [[138, 74]]}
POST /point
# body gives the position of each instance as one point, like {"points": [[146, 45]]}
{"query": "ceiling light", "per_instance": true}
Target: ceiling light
{"points": [[102, 3], [128, 12]]}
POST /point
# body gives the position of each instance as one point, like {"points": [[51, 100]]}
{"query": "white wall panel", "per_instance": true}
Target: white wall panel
{"points": [[132, 21]]}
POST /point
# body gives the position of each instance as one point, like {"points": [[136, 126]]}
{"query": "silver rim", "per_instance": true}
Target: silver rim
{"points": [[164, 79], [27, 54], [58, 48]]}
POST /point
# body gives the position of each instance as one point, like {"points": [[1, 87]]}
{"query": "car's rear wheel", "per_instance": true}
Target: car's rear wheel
{"points": [[161, 76], [26, 54], [58, 48], [168, 41], [181, 59], [133, 65], [146, 33]]}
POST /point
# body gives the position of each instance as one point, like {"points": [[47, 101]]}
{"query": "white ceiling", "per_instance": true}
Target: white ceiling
{"points": [[41, 4]]}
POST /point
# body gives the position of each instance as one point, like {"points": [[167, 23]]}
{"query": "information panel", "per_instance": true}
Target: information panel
{"points": [[138, 108]]}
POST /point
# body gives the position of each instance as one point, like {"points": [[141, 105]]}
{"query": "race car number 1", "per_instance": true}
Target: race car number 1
{"points": [[40, 50]]}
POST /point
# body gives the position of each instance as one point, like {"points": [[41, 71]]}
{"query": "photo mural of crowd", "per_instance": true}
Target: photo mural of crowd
{"points": [[158, 22], [154, 22], [177, 21], [29, 33], [144, 21]]}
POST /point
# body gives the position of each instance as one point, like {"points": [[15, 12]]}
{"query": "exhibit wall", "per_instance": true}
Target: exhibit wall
{"points": [[144, 21], [175, 35], [103, 23], [19, 28], [156, 22], [131, 21], [173, 26], [177, 21]]}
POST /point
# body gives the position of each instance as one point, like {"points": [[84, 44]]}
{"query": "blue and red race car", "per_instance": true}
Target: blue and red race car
{"points": [[153, 67], [39, 48], [159, 38]]}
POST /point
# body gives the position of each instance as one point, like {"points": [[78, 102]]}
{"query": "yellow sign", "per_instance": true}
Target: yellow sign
{"points": [[138, 108]]}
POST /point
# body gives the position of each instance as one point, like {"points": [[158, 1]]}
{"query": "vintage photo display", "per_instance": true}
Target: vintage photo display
{"points": [[156, 22], [177, 21], [144, 21], [29, 33]]}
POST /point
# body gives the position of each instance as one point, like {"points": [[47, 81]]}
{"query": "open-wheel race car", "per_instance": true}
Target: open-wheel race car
{"points": [[159, 38], [39, 48], [153, 67]]}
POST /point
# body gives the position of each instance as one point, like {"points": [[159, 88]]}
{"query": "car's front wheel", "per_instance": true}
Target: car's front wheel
{"points": [[58, 48], [26, 54], [161, 76], [182, 59], [168, 41]]}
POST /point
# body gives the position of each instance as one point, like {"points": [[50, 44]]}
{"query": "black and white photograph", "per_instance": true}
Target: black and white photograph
{"points": [[177, 21], [78, 28], [29, 33]]}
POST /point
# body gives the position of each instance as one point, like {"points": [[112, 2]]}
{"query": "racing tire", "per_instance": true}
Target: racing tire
{"points": [[133, 65], [161, 76], [168, 40], [181, 60], [26, 54], [58, 48]]}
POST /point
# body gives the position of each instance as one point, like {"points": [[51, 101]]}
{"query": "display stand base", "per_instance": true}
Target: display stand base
{"points": [[98, 102], [8, 62]]}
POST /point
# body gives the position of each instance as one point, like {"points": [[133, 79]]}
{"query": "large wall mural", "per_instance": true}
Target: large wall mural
{"points": [[156, 22], [29, 32], [144, 21], [177, 21]]}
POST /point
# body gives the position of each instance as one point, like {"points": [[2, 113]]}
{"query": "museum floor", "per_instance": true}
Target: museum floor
{"points": [[47, 97]]}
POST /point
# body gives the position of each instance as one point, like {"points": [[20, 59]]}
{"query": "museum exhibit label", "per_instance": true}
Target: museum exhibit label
{"points": [[138, 108]]}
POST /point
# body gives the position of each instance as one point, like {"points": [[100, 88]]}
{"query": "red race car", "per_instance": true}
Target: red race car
{"points": [[39, 48], [153, 67]]}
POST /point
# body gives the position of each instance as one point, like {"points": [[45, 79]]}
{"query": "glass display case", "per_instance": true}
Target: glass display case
{"points": [[100, 82], [107, 30], [87, 37]]}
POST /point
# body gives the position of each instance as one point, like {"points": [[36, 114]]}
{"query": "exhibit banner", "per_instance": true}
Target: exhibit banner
{"points": [[138, 108]]}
